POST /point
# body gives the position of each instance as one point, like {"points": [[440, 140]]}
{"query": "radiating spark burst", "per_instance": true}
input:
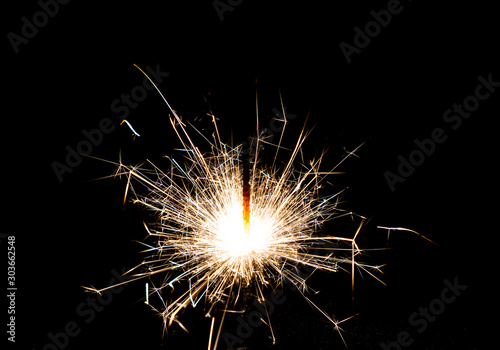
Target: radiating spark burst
{"points": [[209, 239]]}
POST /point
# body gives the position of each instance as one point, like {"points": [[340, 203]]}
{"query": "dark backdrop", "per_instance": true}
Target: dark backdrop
{"points": [[395, 87]]}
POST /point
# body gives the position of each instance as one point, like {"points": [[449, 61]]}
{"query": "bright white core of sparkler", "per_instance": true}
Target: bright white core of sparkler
{"points": [[235, 242]]}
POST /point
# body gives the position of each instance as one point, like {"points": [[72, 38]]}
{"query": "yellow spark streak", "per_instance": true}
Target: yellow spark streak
{"points": [[211, 333], [406, 229]]}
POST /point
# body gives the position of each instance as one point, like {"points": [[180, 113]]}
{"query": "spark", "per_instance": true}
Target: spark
{"points": [[130, 127], [405, 229], [224, 223]]}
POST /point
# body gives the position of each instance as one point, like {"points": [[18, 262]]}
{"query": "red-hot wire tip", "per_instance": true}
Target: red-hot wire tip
{"points": [[246, 196]]}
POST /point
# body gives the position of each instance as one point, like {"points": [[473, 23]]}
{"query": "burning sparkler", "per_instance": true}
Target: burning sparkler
{"points": [[224, 224]]}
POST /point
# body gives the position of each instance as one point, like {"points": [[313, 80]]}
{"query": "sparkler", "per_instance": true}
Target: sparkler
{"points": [[224, 223]]}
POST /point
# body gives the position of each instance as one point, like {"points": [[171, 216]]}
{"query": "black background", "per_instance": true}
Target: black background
{"points": [[75, 232]]}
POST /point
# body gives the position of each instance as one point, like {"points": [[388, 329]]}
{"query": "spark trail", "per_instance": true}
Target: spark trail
{"points": [[224, 224]]}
